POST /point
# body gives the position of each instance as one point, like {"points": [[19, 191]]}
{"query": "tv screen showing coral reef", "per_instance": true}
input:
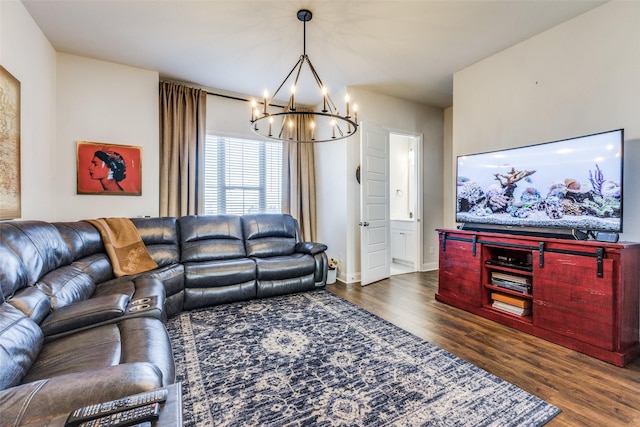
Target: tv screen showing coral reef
{"points": [[570, 184]]}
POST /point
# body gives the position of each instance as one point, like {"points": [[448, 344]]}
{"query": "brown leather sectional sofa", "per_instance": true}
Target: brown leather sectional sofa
{"points": [[72, 334]]}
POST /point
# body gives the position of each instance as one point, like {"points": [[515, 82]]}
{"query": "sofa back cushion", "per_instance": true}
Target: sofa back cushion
{"points": [[97, 266], [13, 275], [32, 302], [87, 250], [210, 237], [39, 246], [20, 343], [13, 286], [268, 235], [82, 238], [160, 236], [66, 285]]}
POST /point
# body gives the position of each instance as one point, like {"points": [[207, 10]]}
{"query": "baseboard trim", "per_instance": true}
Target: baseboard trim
{"points": [[429, 266]]}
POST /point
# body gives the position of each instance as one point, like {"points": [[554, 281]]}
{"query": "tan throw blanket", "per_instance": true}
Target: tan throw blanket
{"points": [[124, 246]]}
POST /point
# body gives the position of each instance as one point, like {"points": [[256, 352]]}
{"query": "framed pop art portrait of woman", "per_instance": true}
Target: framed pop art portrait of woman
{"points": [[109, 169]]}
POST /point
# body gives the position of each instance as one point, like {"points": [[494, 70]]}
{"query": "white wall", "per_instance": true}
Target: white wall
{"points": [[578, 78], [339, 194], [449, 197], [29, 57], [229, 117], [333, 176], [65, 99], [108, 103]]}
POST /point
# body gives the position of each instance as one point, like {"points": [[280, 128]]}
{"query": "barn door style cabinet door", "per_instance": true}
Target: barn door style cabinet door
{"points": [[579, 294]]}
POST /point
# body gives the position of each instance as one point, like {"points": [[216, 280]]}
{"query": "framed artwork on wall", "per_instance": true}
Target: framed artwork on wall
{"points": [[10, 192], [109, 169]]}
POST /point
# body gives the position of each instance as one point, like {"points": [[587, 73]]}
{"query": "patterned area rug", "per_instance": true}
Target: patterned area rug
{"points": [[316, 359]]}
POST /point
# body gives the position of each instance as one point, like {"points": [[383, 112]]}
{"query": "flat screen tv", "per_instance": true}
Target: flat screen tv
{"points": [[573, 184]]}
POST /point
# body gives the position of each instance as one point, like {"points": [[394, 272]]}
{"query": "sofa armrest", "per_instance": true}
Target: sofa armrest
{"points": [[311, 248], [85, 313], [58, 396]]}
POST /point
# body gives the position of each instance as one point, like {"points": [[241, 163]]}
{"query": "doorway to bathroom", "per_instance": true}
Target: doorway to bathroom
{"points": [[405, 202]]}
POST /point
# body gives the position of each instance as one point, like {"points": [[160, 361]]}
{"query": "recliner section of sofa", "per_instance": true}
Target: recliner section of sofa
{"points": [[234, 258], [161, 236], [73, 334], [48, 402], [283, 264], [80, 284], [35, 371], [217, 269], [50, 282], [61, 331]]}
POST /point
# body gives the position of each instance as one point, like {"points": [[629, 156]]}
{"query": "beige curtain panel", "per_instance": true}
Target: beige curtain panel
{"points": [[298, 181], [182, 136]]}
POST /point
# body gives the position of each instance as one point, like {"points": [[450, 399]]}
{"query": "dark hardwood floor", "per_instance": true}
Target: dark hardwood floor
{"points": [[589, 392]]}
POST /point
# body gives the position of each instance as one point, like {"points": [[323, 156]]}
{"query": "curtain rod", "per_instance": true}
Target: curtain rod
{"points": [[236, 98], [221, 95], [208, 91]]}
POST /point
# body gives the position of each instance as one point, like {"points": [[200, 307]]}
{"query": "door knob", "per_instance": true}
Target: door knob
{"points": [[364, 224]]}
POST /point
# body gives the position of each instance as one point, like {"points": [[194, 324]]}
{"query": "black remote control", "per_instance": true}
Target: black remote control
{"points": [[127, 417], [106, 408]]}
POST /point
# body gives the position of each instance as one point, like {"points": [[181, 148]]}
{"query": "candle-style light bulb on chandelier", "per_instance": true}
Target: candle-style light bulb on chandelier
{"points": [[296, 125]]}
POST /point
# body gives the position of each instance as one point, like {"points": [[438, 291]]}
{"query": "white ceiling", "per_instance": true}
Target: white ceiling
{"points": [[406, 49]]}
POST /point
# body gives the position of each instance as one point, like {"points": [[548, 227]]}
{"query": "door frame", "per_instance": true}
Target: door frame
{"points": [[418, 188]]}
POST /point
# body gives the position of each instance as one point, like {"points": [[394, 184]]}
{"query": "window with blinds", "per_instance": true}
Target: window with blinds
{"points": [[242, 176]]}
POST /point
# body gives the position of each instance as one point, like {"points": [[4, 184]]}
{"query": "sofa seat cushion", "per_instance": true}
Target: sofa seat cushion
{"points": [[272, 288], [210, 274], [219, 282], [130, 340], [207, 297], [285, 267], [94, 348]]}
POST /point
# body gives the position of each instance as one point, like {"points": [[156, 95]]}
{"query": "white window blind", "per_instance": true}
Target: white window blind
{"points": [[242, 176]]}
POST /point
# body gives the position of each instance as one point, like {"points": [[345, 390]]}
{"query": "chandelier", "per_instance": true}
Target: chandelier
{"points": [[294, 124]]}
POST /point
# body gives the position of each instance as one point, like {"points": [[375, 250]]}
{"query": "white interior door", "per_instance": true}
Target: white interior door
{"points": [[375, 245]]}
